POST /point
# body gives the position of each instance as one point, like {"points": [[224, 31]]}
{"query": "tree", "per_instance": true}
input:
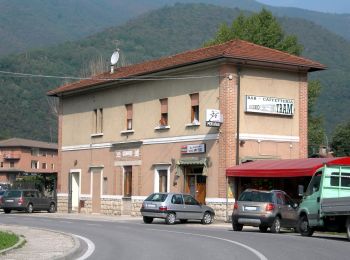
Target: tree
{"points": [[341, 140], [262, 29], [316, 131]]}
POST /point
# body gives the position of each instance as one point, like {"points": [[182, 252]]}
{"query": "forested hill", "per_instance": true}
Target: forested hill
{"points": [[39, 23], [162, 32]]}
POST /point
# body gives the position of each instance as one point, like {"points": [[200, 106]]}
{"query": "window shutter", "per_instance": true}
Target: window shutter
{"points": [[128, 111]]}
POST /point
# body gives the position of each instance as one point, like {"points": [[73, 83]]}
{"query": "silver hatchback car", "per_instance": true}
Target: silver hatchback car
{"points": [[175, 206]]}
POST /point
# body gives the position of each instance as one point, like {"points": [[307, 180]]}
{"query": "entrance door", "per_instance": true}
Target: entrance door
{"points": [[195, 184], [75, 191], [96, 191]]}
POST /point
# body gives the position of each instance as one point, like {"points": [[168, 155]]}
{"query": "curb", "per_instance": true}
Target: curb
{"points": [[66, 255], [21, 241]]}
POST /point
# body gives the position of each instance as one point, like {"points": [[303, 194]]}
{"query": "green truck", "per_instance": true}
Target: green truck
{"points": [[325, 205]]}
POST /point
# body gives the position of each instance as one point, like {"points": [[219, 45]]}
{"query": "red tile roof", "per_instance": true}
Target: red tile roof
{"points": [[235, 49], [20, 142]]}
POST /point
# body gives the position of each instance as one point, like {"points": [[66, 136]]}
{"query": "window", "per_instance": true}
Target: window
{"points": [[52, 166], [189, 200], [34, 164], [128, 108], [195, 108], [43, 166], [163, 180], [127, 181], [314, 184], [345, 179], [35, 151], [44, 153], [2, 164], [335, 179], [177, 199], [12, 164], [98, 120], [163, 112], [105, 186]]}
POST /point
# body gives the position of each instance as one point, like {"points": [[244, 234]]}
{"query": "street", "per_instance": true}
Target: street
{"points": [[117, 238]]}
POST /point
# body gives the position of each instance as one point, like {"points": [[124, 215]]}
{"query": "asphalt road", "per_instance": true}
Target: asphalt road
{"points": [[131, 239]]}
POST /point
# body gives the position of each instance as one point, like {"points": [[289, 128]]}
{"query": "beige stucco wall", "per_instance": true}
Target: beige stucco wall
{"points": [[78, 111]]}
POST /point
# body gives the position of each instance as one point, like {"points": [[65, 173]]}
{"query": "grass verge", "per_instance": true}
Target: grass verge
{"points": [[7, 240]]}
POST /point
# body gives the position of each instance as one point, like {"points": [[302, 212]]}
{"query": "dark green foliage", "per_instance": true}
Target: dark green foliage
{"points": [[262, 29], [159, 33], [341, 140]]}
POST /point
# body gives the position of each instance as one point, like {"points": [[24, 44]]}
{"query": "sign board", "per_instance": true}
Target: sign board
{"points": [[193, 148], [270, 105], [213, 118]]}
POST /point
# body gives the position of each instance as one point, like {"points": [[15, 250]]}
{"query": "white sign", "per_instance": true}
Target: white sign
{"points": [[213, 117], [270, 105], [193, 148]]}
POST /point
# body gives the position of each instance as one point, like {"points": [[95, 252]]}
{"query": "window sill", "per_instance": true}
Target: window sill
{"points": [[193, 124], [96, 135], [125, 132], [162, 127]]}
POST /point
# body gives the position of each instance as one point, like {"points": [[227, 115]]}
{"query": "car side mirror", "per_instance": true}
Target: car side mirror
{"points": [[301, 190]]}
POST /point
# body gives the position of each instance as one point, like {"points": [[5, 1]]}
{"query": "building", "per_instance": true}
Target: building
{"points": [[177, 123], [20, 157]]}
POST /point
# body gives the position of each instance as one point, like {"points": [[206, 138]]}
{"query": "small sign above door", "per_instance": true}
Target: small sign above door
{"points": [[193, 148]]}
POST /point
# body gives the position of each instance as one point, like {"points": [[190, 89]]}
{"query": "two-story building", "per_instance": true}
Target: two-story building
{"points": [[23, 156], [177, 123]]}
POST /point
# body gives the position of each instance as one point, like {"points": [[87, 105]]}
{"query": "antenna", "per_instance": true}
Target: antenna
{"points": [[115, 56]]}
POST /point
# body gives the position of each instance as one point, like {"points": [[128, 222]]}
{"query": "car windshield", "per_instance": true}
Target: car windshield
{"points": [[157, 197], [13, 193], [256, 196]]}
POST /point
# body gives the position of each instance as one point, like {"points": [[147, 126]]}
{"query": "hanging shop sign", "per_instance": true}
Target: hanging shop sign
{"points": [[193, 148], [213, 118], [270, 105]]}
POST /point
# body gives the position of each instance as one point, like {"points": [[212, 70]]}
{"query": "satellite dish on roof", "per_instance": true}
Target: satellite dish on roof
{"points": [[115, 57]]}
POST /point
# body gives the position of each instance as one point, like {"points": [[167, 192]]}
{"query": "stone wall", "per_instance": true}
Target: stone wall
{"points": [[220, 210], [111, 207], [135, 207], [62, 204]]}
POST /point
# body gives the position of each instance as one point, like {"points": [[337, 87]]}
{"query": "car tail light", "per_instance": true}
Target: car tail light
{"points": [[270, 207], [20, 201], [235, 206], [163, 208]]}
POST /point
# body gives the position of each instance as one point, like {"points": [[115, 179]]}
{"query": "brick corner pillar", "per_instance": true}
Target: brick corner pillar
{"points": [[60, 188], [227, 136], [303, 116]]}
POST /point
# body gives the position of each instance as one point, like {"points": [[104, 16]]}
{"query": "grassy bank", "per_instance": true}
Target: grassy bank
{"points": [[7, 240]]}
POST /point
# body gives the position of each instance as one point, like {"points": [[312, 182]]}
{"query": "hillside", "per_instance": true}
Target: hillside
{"points": [[38, 23], [158, 33]]}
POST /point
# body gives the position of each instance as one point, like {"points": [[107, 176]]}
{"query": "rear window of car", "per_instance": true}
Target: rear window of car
{"points": [[157, 197], [256, 196], [13, 193]]}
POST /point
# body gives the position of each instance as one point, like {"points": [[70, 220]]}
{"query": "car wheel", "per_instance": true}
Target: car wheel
{"points": [[263, 229], [7, 211], [52, 208], [348, 227], [276, 225], [170, 218], [30, 208], [304, 227], [183, 221], [207, 218], [237, 227], [147, 220]]}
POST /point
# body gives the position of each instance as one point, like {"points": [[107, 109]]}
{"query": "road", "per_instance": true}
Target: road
{"points": [[131, 239]]}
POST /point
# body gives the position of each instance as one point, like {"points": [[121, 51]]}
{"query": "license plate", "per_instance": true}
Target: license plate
{"points": [[9, 200], [249, 208], [150, 206]]}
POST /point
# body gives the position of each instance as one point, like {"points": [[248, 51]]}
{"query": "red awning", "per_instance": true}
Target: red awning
{"points": [[283, 168]]}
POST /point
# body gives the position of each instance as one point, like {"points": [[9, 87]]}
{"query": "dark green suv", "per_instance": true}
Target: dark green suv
{"points": [[27, 200]]}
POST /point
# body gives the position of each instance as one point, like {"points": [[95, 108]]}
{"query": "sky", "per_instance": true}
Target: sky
{"points": [[328, 6]]}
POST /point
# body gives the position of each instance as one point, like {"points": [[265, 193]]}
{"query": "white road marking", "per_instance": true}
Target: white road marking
{"points": [[89, 251], [257, 253]]}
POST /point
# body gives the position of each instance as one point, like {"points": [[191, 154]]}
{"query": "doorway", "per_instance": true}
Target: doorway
{"points": [[73, 187], [195, 183]]}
